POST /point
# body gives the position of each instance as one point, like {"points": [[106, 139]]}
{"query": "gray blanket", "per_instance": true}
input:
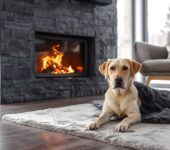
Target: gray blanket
{"points": [[155, 106]]}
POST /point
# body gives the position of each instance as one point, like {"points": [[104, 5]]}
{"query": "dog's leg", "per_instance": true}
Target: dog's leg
{"points": [[103, 118], [130, 119]]}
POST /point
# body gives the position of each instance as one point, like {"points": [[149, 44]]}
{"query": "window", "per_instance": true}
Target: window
{"points": [[158, 26], [152, 23], [124, 11], [158, 21], [141, 20]]}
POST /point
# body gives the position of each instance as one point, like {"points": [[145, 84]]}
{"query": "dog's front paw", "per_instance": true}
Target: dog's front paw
{"points": [[93, 125], [122, 127]]}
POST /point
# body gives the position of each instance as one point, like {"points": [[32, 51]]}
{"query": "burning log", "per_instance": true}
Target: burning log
{"points": [[53, 62]]}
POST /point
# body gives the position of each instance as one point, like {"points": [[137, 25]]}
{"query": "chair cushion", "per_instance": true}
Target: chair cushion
{"points": [[156, 66], [145, 51]]}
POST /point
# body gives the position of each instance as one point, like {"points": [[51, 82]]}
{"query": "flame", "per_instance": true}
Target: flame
{"points": [[53, 62], [71, 70]]}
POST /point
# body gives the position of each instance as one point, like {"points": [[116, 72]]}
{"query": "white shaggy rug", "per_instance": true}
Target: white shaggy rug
{"points": [[74, 120]]}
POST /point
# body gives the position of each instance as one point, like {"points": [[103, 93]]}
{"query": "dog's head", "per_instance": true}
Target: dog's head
{"points": [[119, 72]]}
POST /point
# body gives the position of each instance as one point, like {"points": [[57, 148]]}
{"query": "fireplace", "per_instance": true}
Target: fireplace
{"points": [[63, 55], [51, 49]]}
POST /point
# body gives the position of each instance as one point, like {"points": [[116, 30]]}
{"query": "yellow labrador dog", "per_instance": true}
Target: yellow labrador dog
{"points": [[121, 98]]}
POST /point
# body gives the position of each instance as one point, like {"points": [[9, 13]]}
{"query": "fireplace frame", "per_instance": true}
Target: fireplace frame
{"points": [[89, 50]]}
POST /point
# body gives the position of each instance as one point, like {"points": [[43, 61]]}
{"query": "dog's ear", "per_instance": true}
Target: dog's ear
{"points": [[134, 67], [103, 68]]}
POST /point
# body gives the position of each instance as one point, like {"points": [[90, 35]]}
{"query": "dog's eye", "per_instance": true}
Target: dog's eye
{"points": [[112, 68], [125, 68]]}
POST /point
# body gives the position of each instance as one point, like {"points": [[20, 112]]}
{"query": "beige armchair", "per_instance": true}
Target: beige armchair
{"points": [[154, 60]]}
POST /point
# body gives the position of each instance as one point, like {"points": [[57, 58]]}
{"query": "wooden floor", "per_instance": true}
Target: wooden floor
{"points": [[19, 137]]}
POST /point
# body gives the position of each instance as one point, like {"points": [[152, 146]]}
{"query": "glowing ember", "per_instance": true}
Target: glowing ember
{"points": [[80, 69], [53, 62]]}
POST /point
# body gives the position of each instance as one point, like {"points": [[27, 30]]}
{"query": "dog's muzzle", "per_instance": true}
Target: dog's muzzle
{"points": [[118, 83]]}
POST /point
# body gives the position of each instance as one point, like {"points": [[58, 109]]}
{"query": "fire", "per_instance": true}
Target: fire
{"points": [[53, 62]]}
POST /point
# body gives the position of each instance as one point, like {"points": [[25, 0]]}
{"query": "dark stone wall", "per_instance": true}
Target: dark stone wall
{"points": [[20, 19]]}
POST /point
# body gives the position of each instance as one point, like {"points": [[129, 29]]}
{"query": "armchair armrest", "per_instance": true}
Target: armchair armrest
{"points": [[144, 51]]}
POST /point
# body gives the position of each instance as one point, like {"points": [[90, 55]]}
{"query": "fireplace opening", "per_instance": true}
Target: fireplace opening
{"points": [[61, 55]]}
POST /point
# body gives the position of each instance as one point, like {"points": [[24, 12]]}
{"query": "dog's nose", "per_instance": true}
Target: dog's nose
{"points": [[118, 80]]}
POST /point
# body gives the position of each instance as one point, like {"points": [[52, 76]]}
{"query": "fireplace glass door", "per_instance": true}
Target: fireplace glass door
{"points": [[60, 56]]}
